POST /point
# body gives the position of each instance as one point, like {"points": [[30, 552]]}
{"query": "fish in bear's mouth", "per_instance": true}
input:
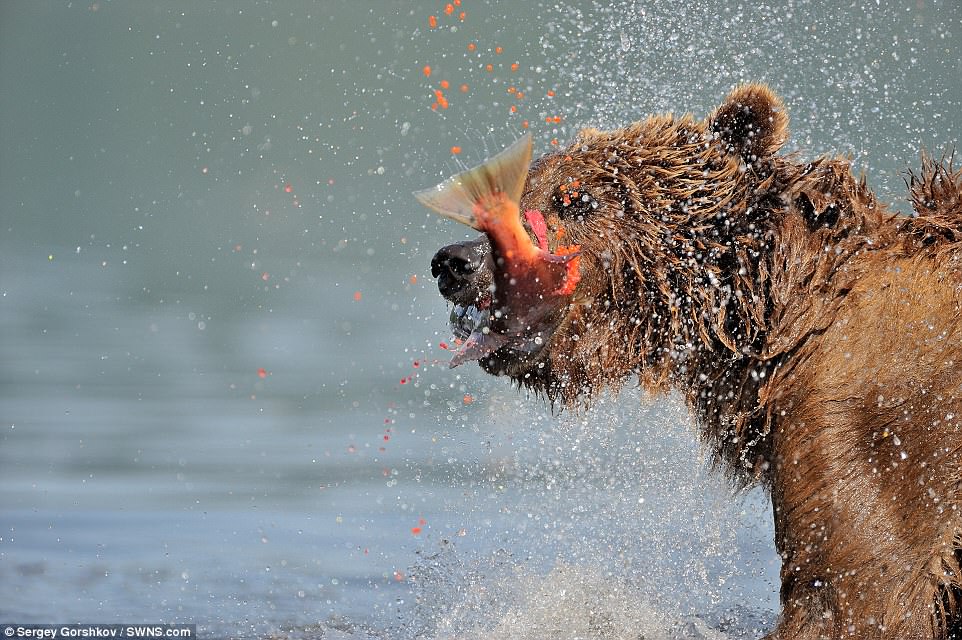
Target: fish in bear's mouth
{"points": [[530, 287]]}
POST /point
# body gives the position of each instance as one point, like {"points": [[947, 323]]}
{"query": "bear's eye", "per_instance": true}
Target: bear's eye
{"points": [[572, 202]]}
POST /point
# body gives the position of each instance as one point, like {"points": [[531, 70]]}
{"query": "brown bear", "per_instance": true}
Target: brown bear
{"points": [[815, 335]]}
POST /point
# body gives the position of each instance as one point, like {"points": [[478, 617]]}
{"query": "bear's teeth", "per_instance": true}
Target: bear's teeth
{"points": [[465, 320]]}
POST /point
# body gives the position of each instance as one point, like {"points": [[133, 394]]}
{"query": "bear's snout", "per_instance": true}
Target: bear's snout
{"points": [[456, 266]]}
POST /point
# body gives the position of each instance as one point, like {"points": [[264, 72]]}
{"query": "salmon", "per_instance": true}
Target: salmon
{"points": [[531, 285]]}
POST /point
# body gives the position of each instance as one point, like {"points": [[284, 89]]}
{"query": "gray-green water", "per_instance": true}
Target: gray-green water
{"points": [[213, 281]]}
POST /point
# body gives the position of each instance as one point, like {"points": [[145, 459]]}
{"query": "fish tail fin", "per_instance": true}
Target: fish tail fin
{"points": [[505, 173]]}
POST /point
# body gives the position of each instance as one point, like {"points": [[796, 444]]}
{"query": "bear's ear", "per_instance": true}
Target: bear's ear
{"points": [[751, 122]]}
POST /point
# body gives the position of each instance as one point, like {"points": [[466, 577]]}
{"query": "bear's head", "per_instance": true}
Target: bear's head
{"points": [[669, 214]]}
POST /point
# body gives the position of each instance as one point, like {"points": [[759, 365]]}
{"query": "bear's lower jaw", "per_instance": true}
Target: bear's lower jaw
{"points": [[502, 350], [512, 363]]}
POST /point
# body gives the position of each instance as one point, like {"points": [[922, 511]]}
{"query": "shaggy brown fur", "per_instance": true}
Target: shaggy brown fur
{"points": [[816, 337]]}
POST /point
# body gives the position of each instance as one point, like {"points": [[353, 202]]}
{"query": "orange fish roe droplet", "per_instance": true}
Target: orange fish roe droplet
{"points": [[464, 88], [461, 16], [262, 373], [448, 9], [444, 345], [413, 279], [499, 50], [457, 3], [489, 67], [398, 576], [455, 150], [514, 66], [427, 71], [511, 90], [357, 296], [288, 188], [472, 46], [520, 95], [433, 22], [468, 399], [434, 107], [416, 531], [514, 109], [554, 141], [445, 84], [524, 125], [550, 93]]}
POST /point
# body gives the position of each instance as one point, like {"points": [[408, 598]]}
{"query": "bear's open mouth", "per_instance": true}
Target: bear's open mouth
{"points": [[477, 339], [466, 319]]}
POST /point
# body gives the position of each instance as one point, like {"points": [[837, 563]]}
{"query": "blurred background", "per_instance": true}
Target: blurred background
{"points": [[224, 397]]}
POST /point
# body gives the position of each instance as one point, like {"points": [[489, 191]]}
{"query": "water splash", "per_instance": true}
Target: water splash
{"points": [[610, 526]]}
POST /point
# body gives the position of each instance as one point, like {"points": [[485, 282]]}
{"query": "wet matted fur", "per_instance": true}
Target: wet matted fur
{"points": [[815, 335]]}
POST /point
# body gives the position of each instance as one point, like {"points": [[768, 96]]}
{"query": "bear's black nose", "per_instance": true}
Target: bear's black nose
{"points": [[455, 265]]}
